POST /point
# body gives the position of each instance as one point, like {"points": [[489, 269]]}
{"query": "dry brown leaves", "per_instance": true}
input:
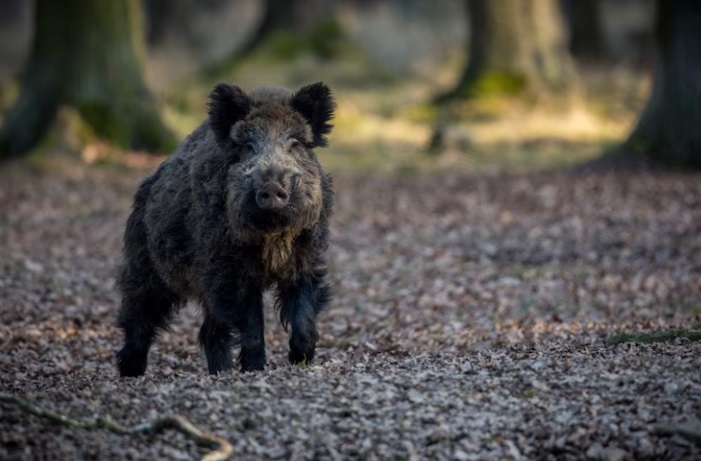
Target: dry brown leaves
{"points": [[469, 323]]}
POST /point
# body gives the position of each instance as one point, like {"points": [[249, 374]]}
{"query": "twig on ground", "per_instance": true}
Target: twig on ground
{"points": [[690, 430], [654, 337], [222, 449]]}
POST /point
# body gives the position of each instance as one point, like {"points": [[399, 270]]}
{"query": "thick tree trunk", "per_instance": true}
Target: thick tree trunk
{"points": [[669, 130], [588, 40], [515, 45], [88, 54], [295, 17], [278, 15]]}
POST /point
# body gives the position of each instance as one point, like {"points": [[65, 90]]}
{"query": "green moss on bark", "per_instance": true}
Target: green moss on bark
{"points": [[495, 83]]}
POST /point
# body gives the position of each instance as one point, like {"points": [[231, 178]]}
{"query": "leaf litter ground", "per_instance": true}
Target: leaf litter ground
{"points": [[471, 322]]}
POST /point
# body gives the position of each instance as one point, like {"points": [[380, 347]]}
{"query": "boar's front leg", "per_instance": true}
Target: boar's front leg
{"points": [[252, 328], [232, 307], [299, 305], [216, 339]]}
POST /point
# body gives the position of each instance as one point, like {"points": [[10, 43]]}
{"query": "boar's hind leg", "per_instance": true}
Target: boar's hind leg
{"points": [[147, 307], [147, 303], [299, 306]]}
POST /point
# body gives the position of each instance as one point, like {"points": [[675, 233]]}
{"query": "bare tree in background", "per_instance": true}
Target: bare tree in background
{"points": [[515, 45], [296, 17], [669, 130], [588, 41], [88, 54], [278, 15]]}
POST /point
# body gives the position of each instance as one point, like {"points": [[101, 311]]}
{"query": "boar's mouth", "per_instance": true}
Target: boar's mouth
{"points": [[267, 221], [248, 222]]}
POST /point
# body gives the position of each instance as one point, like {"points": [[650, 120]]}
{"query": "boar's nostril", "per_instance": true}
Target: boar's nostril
{"points": [[272, 196]]}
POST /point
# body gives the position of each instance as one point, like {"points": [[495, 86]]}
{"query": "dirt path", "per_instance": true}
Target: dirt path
{"points": [[470, 323]]}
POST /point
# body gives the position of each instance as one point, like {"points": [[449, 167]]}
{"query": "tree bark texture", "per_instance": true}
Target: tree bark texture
{"points": [[669, 130], [295, 17], [88, 54], [588, 40], [515, 45]]}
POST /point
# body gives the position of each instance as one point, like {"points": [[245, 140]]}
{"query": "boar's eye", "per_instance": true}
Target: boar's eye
{"points": [[249, 149], [295, 144]]}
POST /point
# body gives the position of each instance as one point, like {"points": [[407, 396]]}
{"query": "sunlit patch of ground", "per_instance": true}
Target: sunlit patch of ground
{"points": [[385, 122]]}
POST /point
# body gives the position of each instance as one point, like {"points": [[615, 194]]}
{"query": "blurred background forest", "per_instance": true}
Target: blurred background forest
{"points": [[470, 84]]}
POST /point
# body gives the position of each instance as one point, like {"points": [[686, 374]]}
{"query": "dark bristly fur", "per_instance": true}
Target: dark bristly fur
{"points": [[243, 205], [317, 106], [226, 103]]}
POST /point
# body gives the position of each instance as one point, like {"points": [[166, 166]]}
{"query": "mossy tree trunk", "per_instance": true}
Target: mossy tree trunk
{"points": [[515, 45], [278, 15], [88, 54], [296, 18], [669, 130]]}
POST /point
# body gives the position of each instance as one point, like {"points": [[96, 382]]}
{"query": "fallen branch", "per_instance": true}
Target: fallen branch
{"points": [[222, 449], [690, 430]]}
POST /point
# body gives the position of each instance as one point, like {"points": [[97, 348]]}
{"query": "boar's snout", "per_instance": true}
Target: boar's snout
{"points": [[272, 196]]}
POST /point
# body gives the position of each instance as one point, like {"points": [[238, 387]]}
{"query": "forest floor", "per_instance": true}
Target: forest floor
{"points": [[476, 317]]}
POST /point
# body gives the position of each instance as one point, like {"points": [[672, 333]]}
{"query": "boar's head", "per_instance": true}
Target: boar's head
{"points": [[275, 181]]}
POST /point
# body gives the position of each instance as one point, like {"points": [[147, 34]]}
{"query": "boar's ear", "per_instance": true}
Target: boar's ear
{"points": [[316, 104], [227, 105]]}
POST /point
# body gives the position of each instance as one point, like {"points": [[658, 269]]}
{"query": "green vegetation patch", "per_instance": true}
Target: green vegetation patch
{"points": [[129, 127], [530, 393], [654, 337], [101, 117], [325, 41], [496, 83], [499, 83]]}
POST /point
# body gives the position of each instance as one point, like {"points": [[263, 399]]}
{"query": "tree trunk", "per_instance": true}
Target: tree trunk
{"points": [[88, 54], [588, 40], [278, 15], [515, 45], [298, 18], [669, 130]]}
